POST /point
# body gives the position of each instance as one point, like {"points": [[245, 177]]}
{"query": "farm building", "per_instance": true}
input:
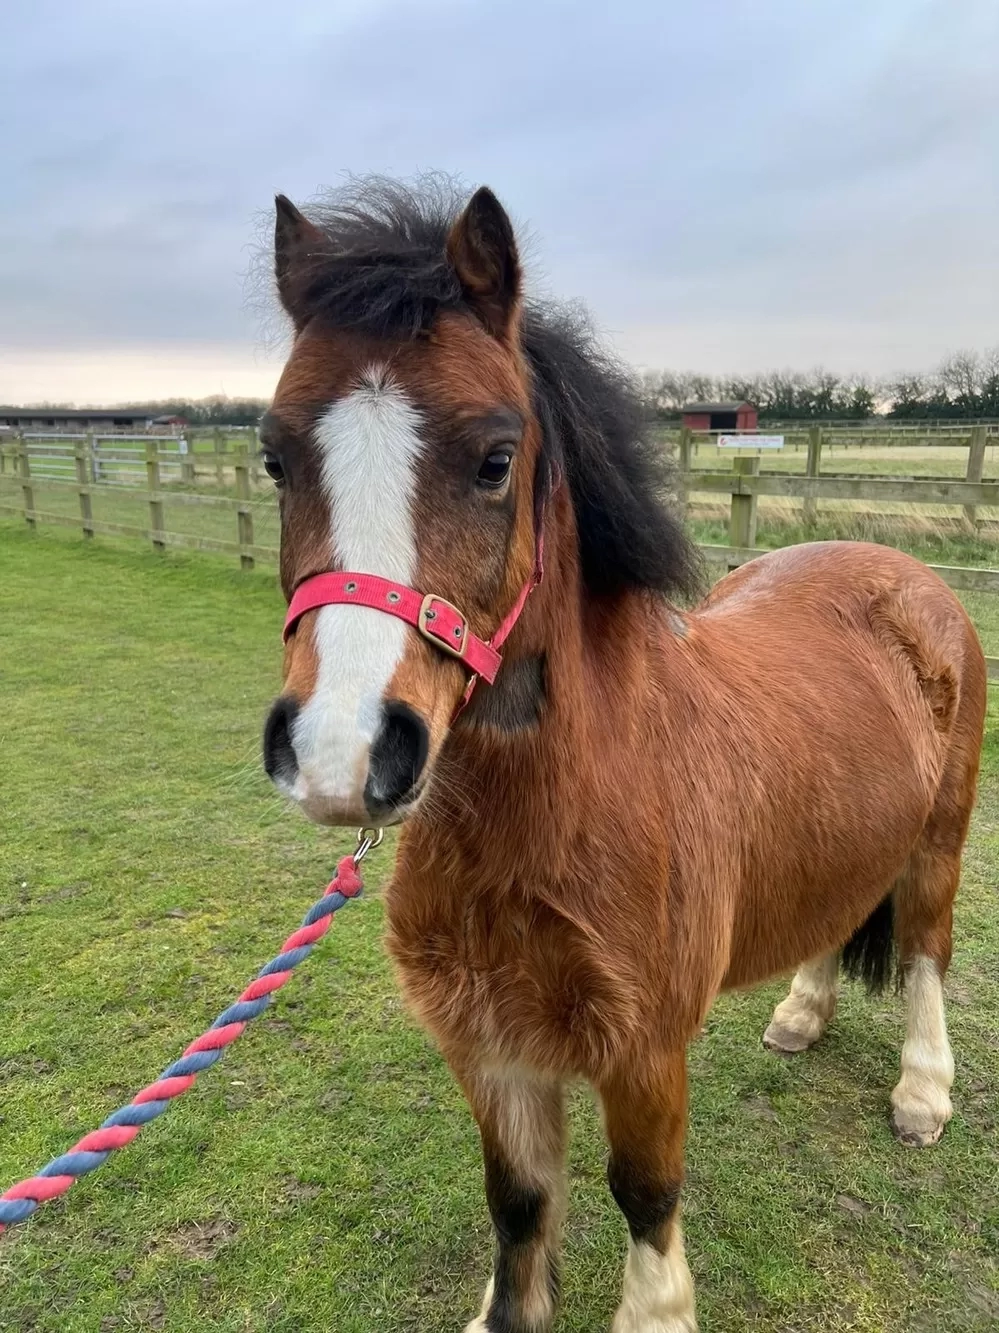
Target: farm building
{"points": [[71, 421], [720, 416]]}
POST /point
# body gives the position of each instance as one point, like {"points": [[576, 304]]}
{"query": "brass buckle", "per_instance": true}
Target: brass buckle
{"points": [[426, 618]]}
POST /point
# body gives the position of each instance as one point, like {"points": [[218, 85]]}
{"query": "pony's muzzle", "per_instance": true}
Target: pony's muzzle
{"points": [[280, 761], [379, 784], [398, 758]]}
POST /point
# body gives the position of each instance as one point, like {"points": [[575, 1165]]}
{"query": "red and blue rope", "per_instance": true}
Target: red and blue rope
{"points": [[93, 1150]]}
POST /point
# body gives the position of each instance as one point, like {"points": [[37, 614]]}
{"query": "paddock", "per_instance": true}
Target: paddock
{"points": [[327, 1173]]}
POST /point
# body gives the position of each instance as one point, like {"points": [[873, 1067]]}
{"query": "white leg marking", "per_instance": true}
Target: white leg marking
{"points": [[369, 443], [922, 1097], [658, 1294], [800, 1020], [531, 1141], [478, 1325]]}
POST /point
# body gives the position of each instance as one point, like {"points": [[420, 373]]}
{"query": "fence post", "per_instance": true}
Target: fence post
{"points": [[27, 490], [683, 463], [976, 466], [83, 481], [217, 441], [254, 460], [157, 527], [244, 512], [813, 465], [187, 475], [742, 525]]}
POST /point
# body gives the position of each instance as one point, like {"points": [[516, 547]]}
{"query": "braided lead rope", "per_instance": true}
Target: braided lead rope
{"points": [[93, 1150]]}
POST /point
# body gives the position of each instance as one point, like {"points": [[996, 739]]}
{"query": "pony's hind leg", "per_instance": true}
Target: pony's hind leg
{"points": [[521, 1119], [923, 916], [800, 1020]]}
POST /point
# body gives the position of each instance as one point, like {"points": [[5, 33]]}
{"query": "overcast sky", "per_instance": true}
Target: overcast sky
{"points": [[730, 185]]}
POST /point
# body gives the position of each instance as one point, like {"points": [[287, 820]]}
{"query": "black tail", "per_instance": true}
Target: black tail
{"points": [[869, 954]]}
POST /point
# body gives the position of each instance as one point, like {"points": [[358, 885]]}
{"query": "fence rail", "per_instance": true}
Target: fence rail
{"points": [[39, 473], [911, 490], [940, 436]]}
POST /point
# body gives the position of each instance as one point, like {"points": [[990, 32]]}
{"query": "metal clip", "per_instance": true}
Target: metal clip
{"points": [[366, 839]]}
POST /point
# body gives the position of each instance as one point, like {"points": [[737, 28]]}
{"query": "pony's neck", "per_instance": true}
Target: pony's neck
{"points": [[528, 759]]}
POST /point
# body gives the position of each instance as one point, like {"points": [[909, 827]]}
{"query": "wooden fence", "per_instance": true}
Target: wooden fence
{"points": [[151, 473], [745, 483], [853, 435]]}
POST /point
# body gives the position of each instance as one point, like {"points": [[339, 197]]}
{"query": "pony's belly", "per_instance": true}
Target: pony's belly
{"points": [[792, 916]]}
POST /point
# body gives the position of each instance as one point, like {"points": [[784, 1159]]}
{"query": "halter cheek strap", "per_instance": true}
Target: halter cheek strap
{"points": [[435, 618]]}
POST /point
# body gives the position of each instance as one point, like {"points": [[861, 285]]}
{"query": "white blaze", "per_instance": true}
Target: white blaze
{"points": [[368, 442]]}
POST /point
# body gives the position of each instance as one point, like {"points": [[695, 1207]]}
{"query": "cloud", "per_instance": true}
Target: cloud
{"points": [[744, 181]]}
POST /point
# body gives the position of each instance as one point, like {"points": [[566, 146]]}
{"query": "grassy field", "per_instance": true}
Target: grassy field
{"points": [[325, 1176]]}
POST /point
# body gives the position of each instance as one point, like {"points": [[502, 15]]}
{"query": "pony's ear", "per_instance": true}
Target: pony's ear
{"points": [[297, 244], [483, 250]]}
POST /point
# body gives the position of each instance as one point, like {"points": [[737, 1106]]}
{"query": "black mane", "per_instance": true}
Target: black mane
{"points": [[384, 272]]}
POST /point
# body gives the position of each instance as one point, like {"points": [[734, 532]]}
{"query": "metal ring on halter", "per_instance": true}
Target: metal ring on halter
{"points": [[366, 839]]}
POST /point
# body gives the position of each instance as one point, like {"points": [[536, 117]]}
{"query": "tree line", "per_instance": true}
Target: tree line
{"points": [[215, 411], [965, 385]]}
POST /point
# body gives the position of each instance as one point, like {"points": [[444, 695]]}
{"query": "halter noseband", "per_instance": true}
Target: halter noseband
{"points": [[435, 618]]}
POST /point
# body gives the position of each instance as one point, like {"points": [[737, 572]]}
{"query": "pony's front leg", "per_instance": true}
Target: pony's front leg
{"points": [[521, 1118], [645, 1111]]}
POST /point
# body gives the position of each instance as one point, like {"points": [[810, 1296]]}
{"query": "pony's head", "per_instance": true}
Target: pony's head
{"points": [[415, 435]]}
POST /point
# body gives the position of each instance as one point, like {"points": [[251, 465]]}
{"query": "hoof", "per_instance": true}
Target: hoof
{"points": [[785, 1041], [916, 1133]]}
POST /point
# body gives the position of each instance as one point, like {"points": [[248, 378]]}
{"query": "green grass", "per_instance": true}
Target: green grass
{"points": [[325, 1176]]}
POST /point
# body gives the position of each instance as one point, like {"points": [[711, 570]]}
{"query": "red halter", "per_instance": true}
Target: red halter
{"points": [[438, 620]]}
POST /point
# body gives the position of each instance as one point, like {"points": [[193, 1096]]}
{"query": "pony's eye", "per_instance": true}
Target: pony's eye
{"points": [[495, 469], [273, 468]]}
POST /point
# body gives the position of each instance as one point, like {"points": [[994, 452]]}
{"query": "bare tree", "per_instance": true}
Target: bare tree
{"points": [[961, 376]]}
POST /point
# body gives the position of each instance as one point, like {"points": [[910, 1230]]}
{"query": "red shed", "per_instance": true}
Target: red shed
{"points": [[720, 416]]}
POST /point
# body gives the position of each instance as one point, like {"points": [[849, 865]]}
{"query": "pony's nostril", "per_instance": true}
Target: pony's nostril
{"points": [[279, 753], [397, 759]]}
